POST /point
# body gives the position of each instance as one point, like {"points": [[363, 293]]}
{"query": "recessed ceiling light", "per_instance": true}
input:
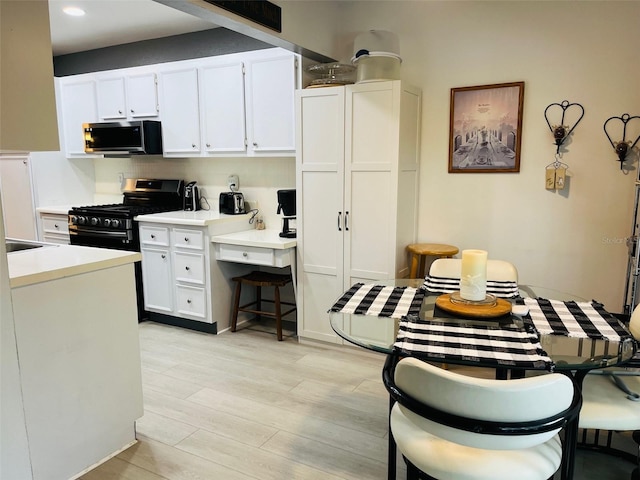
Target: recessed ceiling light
{"points": [[73, 11]]}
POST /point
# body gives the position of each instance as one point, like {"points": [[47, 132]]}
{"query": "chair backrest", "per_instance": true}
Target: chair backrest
{"points": [[483, 404], [497, 270]]}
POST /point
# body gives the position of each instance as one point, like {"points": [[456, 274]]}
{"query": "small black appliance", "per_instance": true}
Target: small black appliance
{"points": [[191, 197], [232, 203], [287, 206]]}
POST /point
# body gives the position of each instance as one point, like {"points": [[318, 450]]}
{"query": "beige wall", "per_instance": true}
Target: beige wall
{"points": [[581, 51]]}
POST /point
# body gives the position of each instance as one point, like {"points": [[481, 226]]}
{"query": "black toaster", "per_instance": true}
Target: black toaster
{"points": [[232, 203]]}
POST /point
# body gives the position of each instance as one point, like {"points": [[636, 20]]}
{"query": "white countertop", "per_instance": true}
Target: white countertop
{"points": [[199, 218], [55, 209], [51, 262], [268, 238]]}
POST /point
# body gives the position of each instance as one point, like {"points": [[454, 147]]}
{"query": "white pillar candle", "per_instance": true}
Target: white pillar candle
{"points": [[473, 278]]}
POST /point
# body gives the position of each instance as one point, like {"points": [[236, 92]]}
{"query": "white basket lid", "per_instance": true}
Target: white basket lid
{"points": [[365, 53], [377, 41]]}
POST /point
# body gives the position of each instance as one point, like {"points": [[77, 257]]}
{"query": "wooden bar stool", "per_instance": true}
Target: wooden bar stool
{"points": [[419, 252], [262, 279]]}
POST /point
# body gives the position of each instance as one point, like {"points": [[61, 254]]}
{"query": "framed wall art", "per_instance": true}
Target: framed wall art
{"points": [[486, 128]]}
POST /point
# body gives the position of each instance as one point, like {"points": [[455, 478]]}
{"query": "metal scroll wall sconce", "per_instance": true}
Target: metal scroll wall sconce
{"points": [[555, 172], [624, 146]]}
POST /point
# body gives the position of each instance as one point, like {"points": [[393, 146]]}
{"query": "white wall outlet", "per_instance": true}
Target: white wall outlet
{"points": [[233, 182]]}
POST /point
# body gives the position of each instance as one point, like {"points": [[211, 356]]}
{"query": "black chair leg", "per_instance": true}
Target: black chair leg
{"points": [[413, 473]]}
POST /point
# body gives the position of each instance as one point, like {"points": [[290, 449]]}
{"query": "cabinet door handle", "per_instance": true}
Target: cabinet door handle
{"points": [[163, 256], [55, 225], [339, 219], [255, 144], [132, 111], [208, 145], [186, 239], [186, 268], [245, 254], [153, 236], [189, 301], [193, 145], [346, 221], [119, 112]]}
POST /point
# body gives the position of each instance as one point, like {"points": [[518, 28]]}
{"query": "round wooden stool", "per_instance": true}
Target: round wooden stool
{"points": [[419, 252], [261, 279]]}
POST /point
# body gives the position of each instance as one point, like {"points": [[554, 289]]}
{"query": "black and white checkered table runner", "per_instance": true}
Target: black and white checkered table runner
{"points": [[380, 300], [434, 284], [502, 346], [573, 319]]}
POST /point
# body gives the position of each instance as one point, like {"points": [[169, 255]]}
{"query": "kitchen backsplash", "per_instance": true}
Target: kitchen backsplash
{"points": [[260, 178]]}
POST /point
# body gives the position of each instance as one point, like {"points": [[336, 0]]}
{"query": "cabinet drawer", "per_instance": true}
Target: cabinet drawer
{"points": [[158, 236], [59, 239], [183, 238], [191, 301], [189, 267], [243, 254], [55, 224]]}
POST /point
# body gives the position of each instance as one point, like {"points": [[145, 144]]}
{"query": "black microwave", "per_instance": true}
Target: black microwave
{"points": [[143, 137]]}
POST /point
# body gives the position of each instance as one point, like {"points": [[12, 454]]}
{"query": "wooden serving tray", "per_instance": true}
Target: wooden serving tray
{"points": [[502, 307]]}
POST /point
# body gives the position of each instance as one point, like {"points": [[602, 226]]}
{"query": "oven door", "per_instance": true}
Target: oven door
{"points": [[114, 239]]}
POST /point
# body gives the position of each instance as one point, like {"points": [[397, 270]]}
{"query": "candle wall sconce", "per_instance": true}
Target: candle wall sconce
{"points": [[561, 131], [622, 147]]}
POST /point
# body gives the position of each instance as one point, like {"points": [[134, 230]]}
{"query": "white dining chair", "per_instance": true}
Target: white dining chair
{"points": [[451, 426], [611, 402]]}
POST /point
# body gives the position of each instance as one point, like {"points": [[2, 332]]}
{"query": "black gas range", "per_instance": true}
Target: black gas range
{"points": [[113, 225]]}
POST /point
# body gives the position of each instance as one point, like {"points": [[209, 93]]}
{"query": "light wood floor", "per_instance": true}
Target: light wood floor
{"points": [[244, 406]]}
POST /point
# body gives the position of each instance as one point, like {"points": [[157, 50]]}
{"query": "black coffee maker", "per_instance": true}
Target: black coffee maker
{"points": [[287, 206]]}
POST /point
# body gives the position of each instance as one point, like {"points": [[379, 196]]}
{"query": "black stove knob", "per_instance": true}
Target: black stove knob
{"points": [[80, 220], [106, 222], [95, 221], [115, 223]]}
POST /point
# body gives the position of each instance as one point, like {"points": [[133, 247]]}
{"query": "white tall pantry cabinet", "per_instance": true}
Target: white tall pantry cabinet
{"points": [[357, 179]]}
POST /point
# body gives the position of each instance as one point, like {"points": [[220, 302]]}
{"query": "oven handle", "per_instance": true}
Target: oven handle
{"points": [[91, 232]]}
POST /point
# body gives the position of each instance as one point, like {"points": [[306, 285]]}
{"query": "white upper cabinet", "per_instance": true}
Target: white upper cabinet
{"points": [[78, 105], [223, 109], [127, 97], [180, 118], [112, 99], [270, 86], [142, 95], [240, 104]]}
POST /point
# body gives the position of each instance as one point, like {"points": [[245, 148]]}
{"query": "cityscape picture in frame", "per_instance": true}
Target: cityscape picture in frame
{"points": [[486, 128]]}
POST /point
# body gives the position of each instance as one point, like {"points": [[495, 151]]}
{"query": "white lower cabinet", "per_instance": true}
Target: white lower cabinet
{"points": [[157, 279], [174, 274], [54, 228], [357, 150]]}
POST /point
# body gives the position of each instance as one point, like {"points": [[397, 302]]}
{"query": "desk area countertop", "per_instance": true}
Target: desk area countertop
{"points": [[268, 238], [52, 262], [199, 218]]}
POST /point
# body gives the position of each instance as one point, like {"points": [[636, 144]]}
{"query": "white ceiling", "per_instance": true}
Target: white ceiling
{"points": [[115, 22]]}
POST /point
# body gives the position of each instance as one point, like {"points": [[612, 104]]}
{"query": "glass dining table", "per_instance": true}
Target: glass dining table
{"points": [[569, 354]]}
